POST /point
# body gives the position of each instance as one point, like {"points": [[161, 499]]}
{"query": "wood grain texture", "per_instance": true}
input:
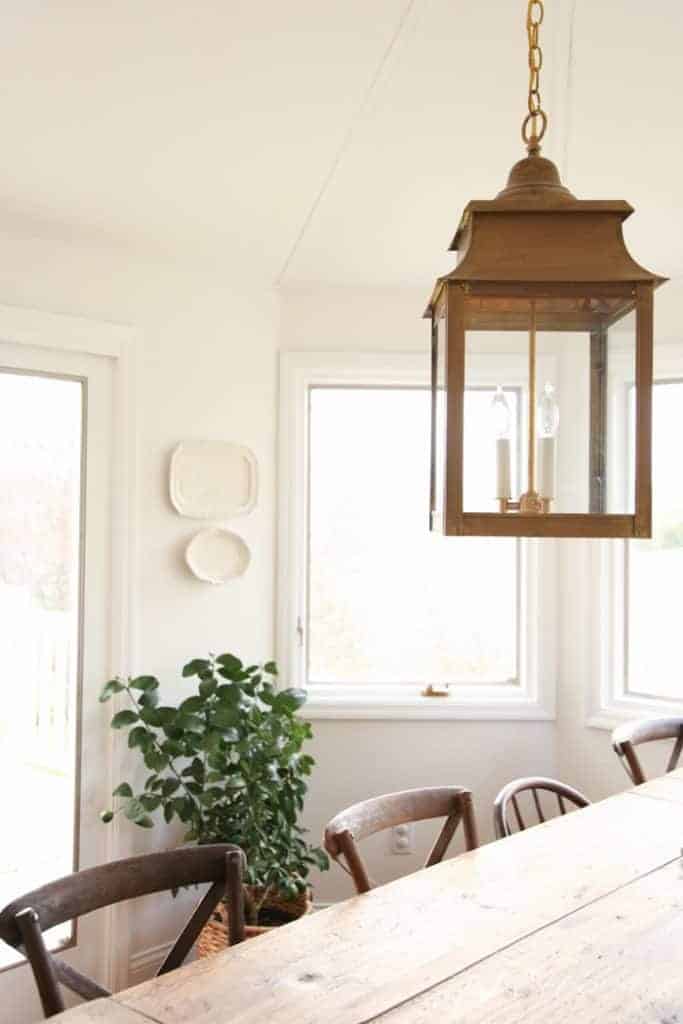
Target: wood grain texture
{"points": [[668, 787], [363, 957], [102, 1011], [616, 960]]}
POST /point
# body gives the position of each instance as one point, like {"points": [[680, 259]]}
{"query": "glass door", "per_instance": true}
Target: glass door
{"points": [[55, 552]]}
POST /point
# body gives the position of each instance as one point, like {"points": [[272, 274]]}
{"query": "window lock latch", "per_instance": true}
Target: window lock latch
{"points": [[435, 691]]}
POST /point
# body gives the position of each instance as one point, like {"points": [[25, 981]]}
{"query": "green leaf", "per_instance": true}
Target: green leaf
{"points": [[139, 737], [289, 700], [210, 796], [166, 715], [230, 666], [207, 687], [155, 760], [211, 742], [216, 761], [183, 807], [169, 787], [196, 769], [225, 717], [106, 816], [144, 822], [150, 802], [191, 704], [168, 812], [193, 668], [172, 749], [149, 716], [110, 688], [271, 668], [235, 782], [123, 789], [122, 718], [144, 683], [229, 735], [134, 809], [149, 699], [229, 694]]}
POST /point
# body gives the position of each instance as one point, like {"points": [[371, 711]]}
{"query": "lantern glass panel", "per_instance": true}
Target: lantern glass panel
{"points": [[584, 451], [620, 427]]}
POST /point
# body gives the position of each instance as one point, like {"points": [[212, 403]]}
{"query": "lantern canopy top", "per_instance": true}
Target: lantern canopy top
{"points": [[537, 232]]}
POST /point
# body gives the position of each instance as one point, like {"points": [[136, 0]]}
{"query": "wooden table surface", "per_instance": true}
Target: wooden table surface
{"points": [[579, 919]]}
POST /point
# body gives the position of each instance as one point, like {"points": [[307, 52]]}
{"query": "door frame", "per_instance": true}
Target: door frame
{"points": [[118, 343]]}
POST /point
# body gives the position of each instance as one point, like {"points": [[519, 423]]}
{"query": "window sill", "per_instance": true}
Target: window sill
{"points": [[415, 707], [614, 714]]}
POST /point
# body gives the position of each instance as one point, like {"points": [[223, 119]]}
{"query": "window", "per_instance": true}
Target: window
{"points": [[40, 516], [640, 653], [374, 607]]}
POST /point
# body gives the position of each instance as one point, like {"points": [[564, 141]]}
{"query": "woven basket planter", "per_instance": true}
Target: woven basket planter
{"points": [[215, 935]]}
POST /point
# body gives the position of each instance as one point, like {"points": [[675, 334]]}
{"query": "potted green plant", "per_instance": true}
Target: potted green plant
{"points": [[228, 762]]}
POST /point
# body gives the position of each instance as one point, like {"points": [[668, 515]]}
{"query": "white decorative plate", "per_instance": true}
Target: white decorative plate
{"points": [[213, 479], [216, 555]]}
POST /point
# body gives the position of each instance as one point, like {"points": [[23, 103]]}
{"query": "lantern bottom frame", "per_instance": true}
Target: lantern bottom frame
{"points": [[557, 524]]}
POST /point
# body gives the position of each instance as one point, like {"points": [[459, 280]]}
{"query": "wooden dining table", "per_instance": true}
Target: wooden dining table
{"points": [[576, 920]]}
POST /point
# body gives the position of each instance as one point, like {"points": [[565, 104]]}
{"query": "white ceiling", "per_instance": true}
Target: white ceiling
{"points": [[332, 141]]}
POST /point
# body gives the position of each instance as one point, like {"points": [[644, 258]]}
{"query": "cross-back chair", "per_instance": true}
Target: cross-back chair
{"points": [[381, 812], [507, 800], [23, 921], [627, 737]]}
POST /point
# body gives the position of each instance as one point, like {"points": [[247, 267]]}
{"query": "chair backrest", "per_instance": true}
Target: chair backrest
{"points": [[381, 812], [508, 800], [628, 736], [23, 921]]}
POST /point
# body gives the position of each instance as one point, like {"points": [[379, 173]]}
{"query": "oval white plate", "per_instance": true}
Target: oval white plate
{"points": [[213, 479], [216, 555]]}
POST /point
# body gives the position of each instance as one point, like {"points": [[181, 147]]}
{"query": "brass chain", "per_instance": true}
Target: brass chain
{"points": [[536, 121]]}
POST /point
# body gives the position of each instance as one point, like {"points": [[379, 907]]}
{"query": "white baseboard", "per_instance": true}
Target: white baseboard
{"points": [[143, 965]]}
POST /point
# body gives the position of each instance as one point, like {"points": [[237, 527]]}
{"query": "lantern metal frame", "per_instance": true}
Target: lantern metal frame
{"points": [[537, 245]]}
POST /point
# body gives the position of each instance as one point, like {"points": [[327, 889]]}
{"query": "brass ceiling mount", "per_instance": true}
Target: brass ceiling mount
{"points": [[537, 179]]}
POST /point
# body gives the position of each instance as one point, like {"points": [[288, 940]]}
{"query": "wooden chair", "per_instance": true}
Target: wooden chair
{"points": [[508, 798], [24, 920], [364, 819], [627, 737]]}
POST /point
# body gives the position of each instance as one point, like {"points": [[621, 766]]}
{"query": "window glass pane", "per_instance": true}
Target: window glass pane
{"points": [[390, 602], [618, 469], [655, 567], [40, 488]]}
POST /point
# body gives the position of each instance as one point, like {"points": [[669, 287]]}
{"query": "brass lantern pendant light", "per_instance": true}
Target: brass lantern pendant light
{"points": [[545, 312]]}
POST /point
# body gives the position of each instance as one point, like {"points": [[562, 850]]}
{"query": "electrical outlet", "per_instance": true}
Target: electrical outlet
{"points": [[402, 839]]}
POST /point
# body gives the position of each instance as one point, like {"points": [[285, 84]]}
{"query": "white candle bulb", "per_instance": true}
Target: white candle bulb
{"points": [[549, 421], [500, 417]]}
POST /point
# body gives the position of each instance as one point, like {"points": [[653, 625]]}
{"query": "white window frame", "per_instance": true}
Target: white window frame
{"points": [[609, 702], [118, 342], [534, 698]]}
